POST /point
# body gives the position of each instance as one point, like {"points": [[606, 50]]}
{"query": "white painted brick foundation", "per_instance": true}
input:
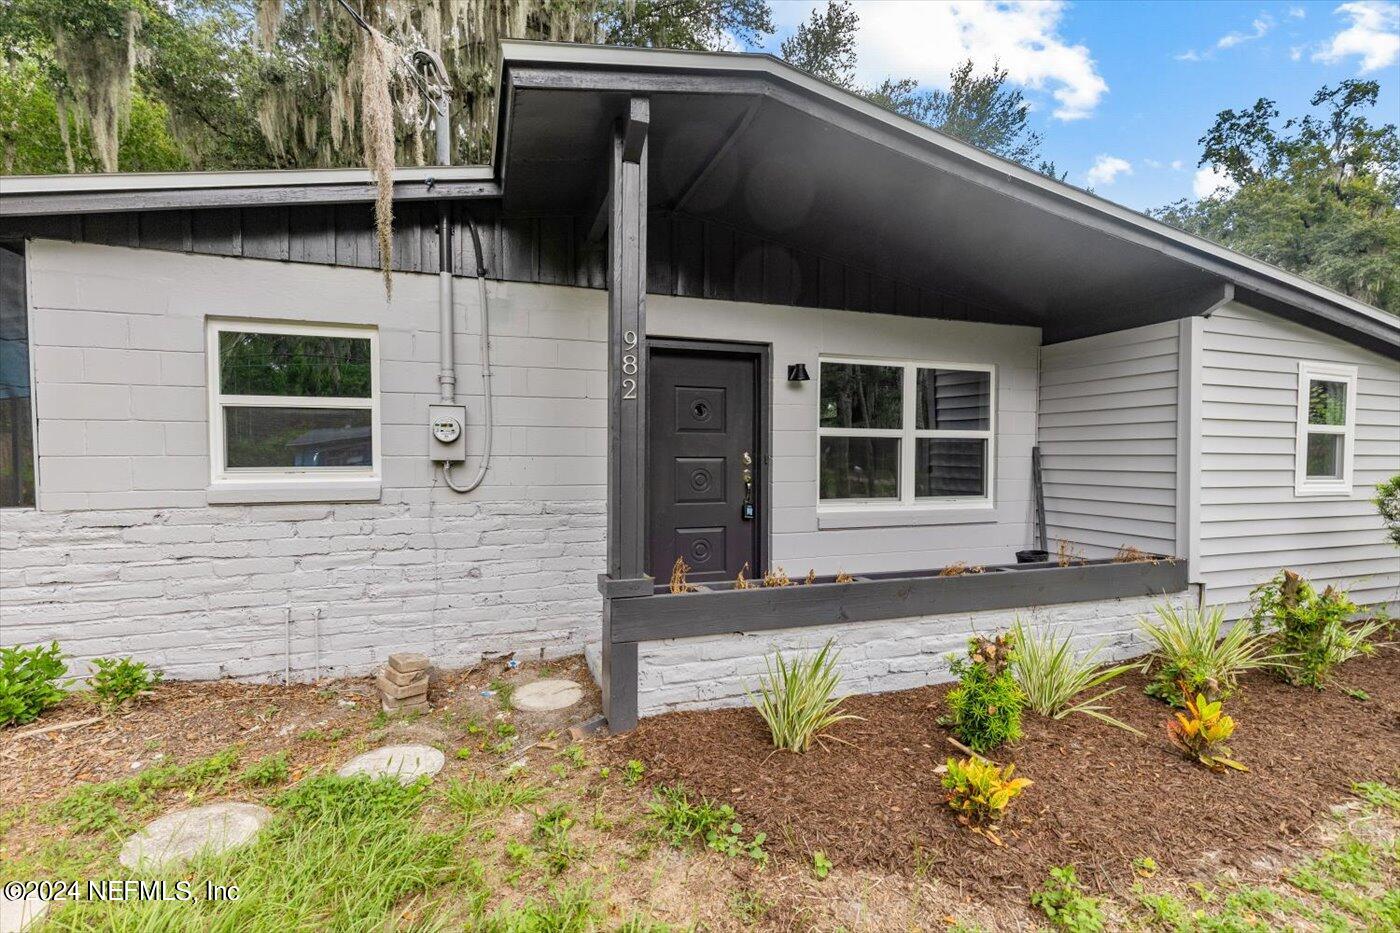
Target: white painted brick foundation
{"points": [[212, 592], [876, 657]]}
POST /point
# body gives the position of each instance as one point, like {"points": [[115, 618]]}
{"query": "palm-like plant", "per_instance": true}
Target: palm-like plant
{"points": [[1193, 654], [797, 699], [1051, 675]]}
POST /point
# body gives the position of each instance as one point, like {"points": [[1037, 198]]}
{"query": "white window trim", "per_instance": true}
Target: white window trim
{"points": [[908, 504], [290, 484], [1322, 486]]}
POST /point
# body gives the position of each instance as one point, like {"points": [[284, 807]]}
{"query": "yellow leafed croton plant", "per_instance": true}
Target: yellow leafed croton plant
{"points": [[980, 791], [1201, 733]]}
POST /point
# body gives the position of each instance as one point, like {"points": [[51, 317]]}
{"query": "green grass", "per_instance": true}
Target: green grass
{"points": [[266, 771], [478, 794], [112, 805], [343, 854], [1378, 794]]}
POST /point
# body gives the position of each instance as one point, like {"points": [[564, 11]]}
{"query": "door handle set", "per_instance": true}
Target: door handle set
{"points": [[747, 509]]}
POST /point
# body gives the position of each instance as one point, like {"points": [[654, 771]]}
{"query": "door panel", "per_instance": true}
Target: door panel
{"points": [[704, 420]]}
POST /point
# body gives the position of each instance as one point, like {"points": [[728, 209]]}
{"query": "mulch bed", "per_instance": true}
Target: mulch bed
{"points": [[1102, 796]]}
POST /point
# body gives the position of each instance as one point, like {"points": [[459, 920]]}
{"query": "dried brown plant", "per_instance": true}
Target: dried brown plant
{"points": [[1067, 553], [844, 577], [811, 577], [678, 582], [1128, 554], [740, 583], [776, 577], [959, 568]]}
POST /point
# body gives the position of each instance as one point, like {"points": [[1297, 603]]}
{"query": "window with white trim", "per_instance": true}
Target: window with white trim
{"points": [[1326, 428], [906, 434], [293, 402]]}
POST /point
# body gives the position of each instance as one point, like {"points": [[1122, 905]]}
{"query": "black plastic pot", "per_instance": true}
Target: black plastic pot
{"points": [[1032, 557]]}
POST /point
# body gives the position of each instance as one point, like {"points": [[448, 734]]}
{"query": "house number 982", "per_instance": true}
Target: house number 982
{"points": [[629, 364]]}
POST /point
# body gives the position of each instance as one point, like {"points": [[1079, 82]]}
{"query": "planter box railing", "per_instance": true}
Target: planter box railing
{"points": [[639, 610]]}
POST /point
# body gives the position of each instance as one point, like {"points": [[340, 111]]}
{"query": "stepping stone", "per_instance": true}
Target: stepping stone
{"points": [[545, 695], [179, 836], [18, 915], [406, 762]]}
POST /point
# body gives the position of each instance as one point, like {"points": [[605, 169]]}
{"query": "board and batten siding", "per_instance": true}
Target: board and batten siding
{"points": [[1108, 440], [1252, 522]]}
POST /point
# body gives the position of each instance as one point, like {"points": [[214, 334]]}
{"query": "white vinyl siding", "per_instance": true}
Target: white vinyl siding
{"points": [[1108, 440], [1252, 521]]}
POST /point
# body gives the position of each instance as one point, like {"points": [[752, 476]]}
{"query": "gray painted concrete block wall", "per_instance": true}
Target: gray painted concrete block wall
{"points": [[126, 556]]}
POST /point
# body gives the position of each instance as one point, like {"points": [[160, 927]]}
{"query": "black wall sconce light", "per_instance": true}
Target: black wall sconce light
{"points": [[797, 372]]}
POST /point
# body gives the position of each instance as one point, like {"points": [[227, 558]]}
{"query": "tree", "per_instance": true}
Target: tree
{"points": [[978, 109], [1318, 195], [825, 45]]}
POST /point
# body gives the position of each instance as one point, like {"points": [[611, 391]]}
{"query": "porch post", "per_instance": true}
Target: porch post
{"points": [[627, 392]]}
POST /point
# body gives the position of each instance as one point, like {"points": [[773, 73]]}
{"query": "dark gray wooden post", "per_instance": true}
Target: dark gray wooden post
{"points": [[627, 392]]}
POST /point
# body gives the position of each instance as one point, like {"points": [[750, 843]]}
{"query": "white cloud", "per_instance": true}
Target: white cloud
{"points": [[1297, 12], [1373, 35], [1177, 165], [1258, 29], [1208, 180], [1106, 169], [926, 40], [1152, 163]]}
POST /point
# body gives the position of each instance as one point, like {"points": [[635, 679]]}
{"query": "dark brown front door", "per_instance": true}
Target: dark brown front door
{"points": [[703, 495]]}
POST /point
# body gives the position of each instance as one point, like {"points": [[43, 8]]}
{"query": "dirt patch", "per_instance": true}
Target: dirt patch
{"points": [[319, 726], [1102, 796]]}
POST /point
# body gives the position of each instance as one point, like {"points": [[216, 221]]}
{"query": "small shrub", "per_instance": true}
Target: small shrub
{"points": [[1309, 628], [266, 771], [985, 707], [1051, 676], [1066, 906], [118, 682], [632, 772], [1388, 504], [821, 865], [679, 821], [1190, 648], [1201, 733], [797, 700], [980, 791], [29, 682]]}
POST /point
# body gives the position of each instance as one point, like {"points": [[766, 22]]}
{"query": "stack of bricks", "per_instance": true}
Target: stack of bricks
{"points": [[403, 683]]}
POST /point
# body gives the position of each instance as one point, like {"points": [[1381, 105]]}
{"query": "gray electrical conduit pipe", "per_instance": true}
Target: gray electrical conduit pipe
{"points": [[447, 375]]}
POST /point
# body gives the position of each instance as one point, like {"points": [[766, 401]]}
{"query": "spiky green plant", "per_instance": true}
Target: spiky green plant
{"points": [[1192, 648], [1051, 676], [797, 699]]}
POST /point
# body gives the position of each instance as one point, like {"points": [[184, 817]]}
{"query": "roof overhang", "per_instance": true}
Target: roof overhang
{"points": [[748, 140], [35, 195]]}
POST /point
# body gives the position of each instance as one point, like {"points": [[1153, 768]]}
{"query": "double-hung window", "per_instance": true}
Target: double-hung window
{"points": [[906, 434], [293, 405], [1326, 428]]}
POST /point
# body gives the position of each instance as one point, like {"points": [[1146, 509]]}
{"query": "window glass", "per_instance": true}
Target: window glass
{"points": [[16, 417], [1325, 456], [860, 468], [950, 467], [259, 438], [860, 396], [300, 365], [953, 400], [1327, 402]]}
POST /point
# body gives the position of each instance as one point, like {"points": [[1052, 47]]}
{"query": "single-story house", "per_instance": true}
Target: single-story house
{"points": [[737, 317]]}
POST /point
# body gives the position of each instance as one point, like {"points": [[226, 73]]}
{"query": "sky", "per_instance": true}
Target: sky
{"points": [[1121, 91]]}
